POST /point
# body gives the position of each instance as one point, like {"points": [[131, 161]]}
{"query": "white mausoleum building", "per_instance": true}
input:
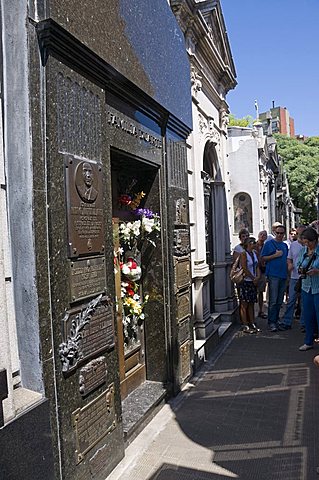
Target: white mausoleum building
{"points": [[258, 193], [212, 76]]}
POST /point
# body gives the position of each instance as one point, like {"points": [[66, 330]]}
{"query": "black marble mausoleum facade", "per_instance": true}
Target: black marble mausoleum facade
{"points": [[106, 89]]}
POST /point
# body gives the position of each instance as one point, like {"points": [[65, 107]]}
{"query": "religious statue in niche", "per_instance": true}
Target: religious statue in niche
{"points": [[144, 227], [242, 212]]}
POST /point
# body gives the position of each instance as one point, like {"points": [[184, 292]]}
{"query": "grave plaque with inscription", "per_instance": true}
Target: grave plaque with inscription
{"points": [[87, 277], [183, 305], [182, 272], [183, 331], [84, 195], [87, 332], [92, 375], [185, 361], [92, 422]]}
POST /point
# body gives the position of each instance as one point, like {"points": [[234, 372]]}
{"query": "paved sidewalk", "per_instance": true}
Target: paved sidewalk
{"points": [[252, 413]]}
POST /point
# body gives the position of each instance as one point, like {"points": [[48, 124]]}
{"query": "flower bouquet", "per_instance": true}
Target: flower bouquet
{"points": [[131, 270]]}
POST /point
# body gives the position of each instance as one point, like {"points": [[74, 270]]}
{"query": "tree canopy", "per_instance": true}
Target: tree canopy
{"points": [[301, 162], [240, 122]]}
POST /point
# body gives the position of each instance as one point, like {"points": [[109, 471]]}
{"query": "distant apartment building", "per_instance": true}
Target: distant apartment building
{"points": [[278, 120]]}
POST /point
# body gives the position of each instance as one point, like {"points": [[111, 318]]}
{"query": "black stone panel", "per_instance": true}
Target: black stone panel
{"points": [[26, 447], [75, 136], [179, 267], [141, 40]]}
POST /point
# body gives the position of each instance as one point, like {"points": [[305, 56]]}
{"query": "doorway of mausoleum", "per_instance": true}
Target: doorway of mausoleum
{"points": [[137, 263]]}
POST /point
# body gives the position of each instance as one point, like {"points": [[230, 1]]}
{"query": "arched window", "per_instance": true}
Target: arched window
{"points": [[243, 217]]}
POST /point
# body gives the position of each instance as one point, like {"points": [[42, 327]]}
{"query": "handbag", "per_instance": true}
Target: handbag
{"points": [[237, 274]]}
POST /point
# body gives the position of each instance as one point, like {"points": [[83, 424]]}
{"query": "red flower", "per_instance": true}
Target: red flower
{"points": [[125, 199], [131, 263]]}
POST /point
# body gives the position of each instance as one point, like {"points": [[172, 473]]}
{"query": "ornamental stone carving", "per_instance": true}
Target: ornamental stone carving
{"points": [[196, 81], [224, 120], [202, 124], [190, 41]]}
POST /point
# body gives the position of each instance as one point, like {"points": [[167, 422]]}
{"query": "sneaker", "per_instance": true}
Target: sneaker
{"points": [[305, 347], [282, 327], [248, 329], [254, 327], [272, 327]]}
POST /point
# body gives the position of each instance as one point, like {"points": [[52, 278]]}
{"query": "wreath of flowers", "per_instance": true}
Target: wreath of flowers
{"points": [[132, 235]]}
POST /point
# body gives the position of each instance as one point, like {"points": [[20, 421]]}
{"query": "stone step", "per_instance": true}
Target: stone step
{"points": [[140, 406]]}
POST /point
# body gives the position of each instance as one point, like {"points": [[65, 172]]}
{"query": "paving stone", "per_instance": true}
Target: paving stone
{"points": [[252, 413]]}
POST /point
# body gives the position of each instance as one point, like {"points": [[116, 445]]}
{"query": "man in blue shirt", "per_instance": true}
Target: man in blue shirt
{"points": [[274, 254]]}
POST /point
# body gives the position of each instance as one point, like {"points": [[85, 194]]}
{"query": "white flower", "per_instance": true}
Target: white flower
{"points": [[148, 224], [126, 269]]}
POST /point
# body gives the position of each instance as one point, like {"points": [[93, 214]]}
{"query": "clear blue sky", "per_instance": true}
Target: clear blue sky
{"points": [[275, 48]]}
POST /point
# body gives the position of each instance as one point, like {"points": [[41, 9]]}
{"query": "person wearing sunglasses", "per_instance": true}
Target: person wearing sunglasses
{"points": [[274, 254]]}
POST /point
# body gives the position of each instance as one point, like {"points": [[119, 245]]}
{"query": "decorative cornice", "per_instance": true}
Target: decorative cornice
{"points": [[193, 23], [56, 41]]}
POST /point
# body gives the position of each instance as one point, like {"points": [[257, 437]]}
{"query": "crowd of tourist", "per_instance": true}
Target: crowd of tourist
{"points": [[276, 268]]}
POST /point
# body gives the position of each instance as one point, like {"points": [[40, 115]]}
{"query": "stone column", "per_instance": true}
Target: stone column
{"points": [[223, 299]]}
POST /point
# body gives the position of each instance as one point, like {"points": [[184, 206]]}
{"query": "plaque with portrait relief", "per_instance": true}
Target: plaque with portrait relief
{"points": [[84, 200]]}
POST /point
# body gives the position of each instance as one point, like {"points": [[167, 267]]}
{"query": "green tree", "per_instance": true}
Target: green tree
{"points": [[240, 122], [301, 162]]}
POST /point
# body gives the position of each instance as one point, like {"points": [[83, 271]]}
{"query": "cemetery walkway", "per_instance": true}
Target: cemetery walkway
{"points": [[252, 413]]}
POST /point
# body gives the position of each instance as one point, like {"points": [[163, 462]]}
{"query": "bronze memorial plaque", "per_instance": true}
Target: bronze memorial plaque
{"points": [[87, 277], [92, 422], [181, 242], [181, 215], [92, 375], [185, 361], [182, 272], [84, 198], [183, 305], [87, 332], [183, 331]]}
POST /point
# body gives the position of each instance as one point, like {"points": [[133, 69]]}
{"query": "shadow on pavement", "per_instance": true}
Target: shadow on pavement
{"points": [[257, 409]]}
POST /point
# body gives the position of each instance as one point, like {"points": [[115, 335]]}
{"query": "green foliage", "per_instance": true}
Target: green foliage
{"points": [[240, 122], [301, 162]]}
